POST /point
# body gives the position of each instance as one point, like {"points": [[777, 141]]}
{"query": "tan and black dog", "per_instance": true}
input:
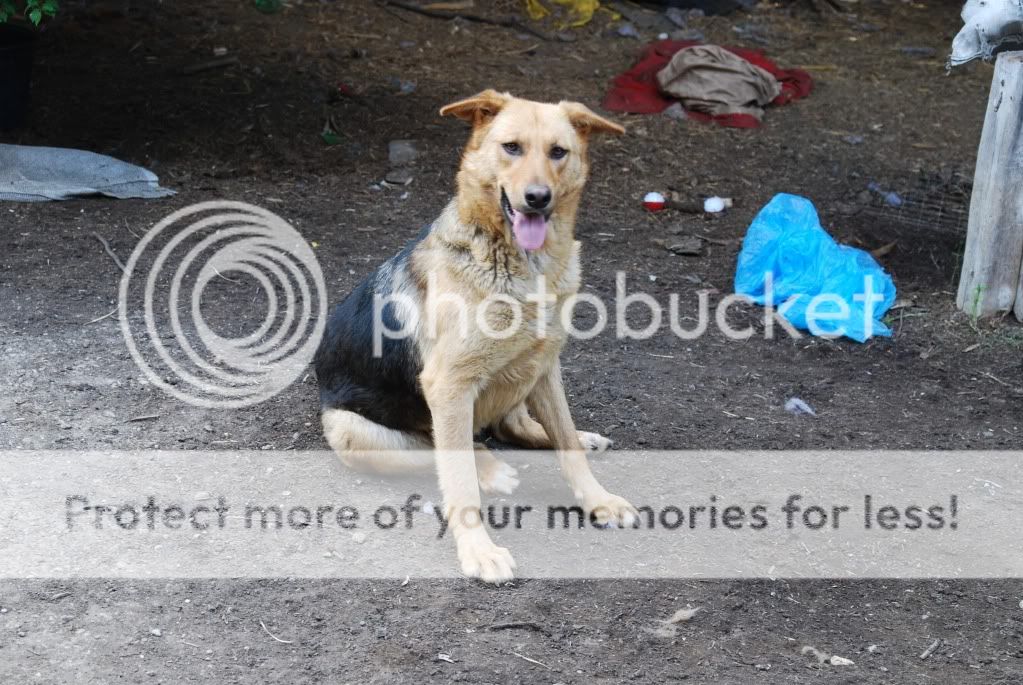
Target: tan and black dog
{"points": [[509, 227]]}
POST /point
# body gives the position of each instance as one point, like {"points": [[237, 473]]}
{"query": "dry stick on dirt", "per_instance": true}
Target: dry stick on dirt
{"points": [[532, 661], [930, 650], [109, 251], [507, 22], [519, 625], [267, 631], [100, 318], [206, 66]]}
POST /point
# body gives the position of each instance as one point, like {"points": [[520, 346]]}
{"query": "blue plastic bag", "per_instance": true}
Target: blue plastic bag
{"points": [[789, 262]]}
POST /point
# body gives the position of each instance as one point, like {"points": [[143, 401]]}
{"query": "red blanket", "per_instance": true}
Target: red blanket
{"points": [[636, 90]]}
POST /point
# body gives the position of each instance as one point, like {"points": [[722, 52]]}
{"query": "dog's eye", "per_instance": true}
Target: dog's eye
{"points": [[558, 152], [512, 148]]}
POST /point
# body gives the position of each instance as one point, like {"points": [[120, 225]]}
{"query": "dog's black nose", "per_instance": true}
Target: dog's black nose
{"points": [[538, 197]]}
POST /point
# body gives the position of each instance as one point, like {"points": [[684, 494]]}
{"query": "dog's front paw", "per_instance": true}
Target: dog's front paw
{"points": [[481, 558], [593, 442], [611, 511], [497, 476]]}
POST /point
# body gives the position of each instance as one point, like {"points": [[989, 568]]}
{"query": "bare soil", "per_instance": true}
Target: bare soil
{"points": [[109, 79]]}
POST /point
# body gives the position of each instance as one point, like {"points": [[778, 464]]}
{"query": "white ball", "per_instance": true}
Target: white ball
{"points": [[713, 205]]}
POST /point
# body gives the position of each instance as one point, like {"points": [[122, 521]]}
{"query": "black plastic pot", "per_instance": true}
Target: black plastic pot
{"points": [[16, 45]]}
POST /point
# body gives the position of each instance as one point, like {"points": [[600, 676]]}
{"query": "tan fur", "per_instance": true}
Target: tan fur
{"points": [[471, 380]]}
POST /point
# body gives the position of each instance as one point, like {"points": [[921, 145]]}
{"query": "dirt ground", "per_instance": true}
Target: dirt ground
{"points": [[109, 79]]}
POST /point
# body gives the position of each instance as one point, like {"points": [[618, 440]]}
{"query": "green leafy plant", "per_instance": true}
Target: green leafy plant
{"points": [[33, 10]]}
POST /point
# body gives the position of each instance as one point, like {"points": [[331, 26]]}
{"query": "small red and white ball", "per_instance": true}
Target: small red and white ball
{"points": [[654, 202]]}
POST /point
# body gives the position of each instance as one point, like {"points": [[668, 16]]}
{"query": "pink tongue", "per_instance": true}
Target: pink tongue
{"points": [[530, 230]]}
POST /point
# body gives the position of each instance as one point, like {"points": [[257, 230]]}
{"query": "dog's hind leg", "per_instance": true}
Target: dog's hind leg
{"points": [[367, 446], [364, 445], [519, 428]]}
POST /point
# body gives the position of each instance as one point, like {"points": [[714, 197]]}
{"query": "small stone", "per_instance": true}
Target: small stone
{"points": [[675, 111], [156, 632], [627, 31], [918, 51], [399, 177], [402, 152], [687, 34], [677, 17], [687, 246]]}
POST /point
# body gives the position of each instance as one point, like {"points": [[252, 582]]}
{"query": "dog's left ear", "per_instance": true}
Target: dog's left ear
{"points": [[478, 109], [586, 122]]}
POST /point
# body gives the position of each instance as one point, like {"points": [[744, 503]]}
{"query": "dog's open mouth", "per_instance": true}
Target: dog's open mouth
{"points": [[529, 228]]}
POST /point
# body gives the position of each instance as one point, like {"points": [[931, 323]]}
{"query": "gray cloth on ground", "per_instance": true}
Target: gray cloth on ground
{"points": [[710, 79], [39, 174]]}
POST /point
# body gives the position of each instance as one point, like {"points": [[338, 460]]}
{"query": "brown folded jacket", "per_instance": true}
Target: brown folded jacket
{"points": [[710, 79]]}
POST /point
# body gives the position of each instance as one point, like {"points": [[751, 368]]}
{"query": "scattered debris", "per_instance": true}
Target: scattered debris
{"points": [[694, 35], [854, 139], [511, 22], [358, 537], [399, 177], [825, 658], [218, 63], [676, 111], [269, 6], [402, 152], [690, 245], [406, 581], [918, 52], [267, 631], [445, 657], [794, 405], [404, 87], [156, 632], [682, 615], [666, 631], [890, 197], [930, 649], [879, 252], [627, 31]]}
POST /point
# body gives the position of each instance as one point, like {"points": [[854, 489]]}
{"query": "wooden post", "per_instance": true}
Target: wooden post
{"points": [[993, 260]]}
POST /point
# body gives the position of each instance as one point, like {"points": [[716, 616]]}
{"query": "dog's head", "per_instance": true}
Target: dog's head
{"points": [[526, 164]]}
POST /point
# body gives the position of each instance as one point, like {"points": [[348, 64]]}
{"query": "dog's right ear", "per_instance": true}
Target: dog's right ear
{"points": [[479, 109]]}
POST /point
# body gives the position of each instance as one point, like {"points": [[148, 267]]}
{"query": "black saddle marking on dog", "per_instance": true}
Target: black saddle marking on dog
{"points": [[383, 389]]}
